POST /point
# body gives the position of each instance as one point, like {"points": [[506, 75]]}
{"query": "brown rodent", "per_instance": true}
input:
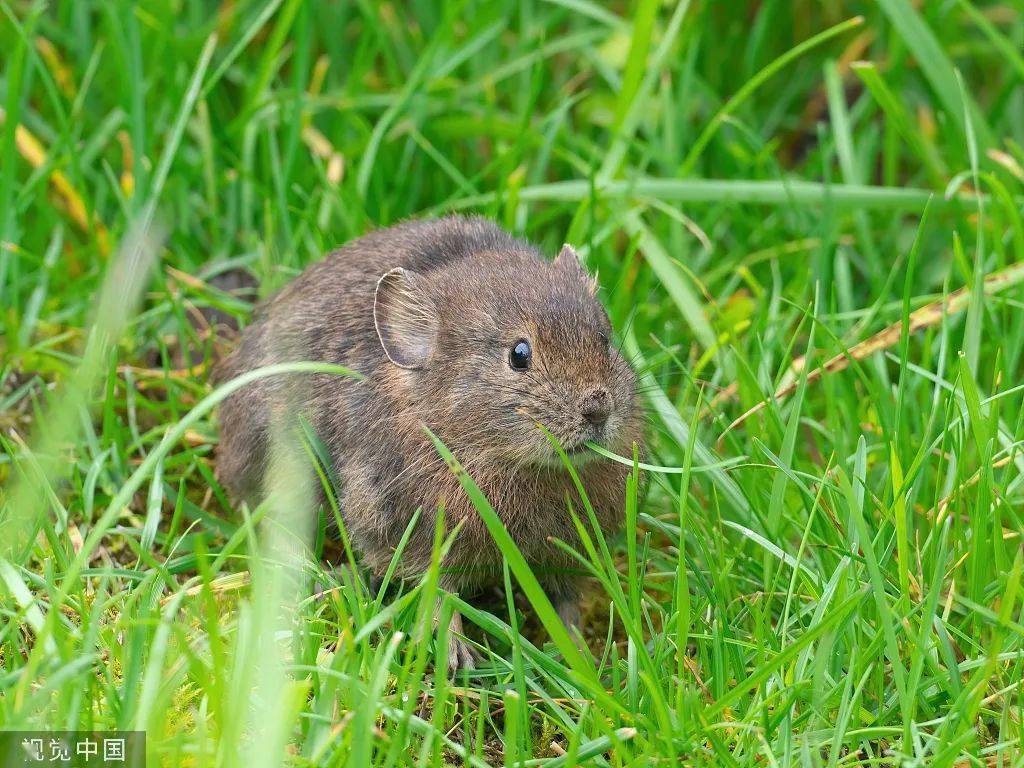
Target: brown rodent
{"points": [[461, 328]]}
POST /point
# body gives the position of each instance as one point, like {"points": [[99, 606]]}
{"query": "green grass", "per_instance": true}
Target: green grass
{"points": [[835, 580]]}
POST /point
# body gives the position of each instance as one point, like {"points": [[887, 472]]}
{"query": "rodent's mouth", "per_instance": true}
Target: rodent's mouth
{"points": [[578, 455], [576, 444]]}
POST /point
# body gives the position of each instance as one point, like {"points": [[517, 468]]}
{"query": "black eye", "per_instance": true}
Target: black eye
{"points": [[520, 354]]}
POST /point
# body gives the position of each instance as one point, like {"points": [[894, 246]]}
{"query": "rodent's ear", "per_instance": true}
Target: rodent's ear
{"points": [[405, 318], [568, 260]]}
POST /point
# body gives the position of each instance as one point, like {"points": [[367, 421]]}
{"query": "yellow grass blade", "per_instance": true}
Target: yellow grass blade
{"points": [[927, 316], [30, 148]]}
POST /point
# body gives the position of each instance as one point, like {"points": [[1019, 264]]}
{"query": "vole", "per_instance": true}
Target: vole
{"points": [[458, 327]]}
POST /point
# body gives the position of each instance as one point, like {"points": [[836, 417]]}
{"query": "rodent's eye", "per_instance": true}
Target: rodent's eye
{"points": [[520, 355]]}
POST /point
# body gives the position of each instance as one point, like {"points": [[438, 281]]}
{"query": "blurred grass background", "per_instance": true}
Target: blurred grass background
{"points": [[819, 199]]}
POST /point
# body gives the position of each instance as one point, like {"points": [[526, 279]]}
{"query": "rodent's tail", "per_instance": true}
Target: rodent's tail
{"points": [[214, 310], [234, 285]]}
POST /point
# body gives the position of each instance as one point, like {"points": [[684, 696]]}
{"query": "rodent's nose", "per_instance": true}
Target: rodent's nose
{"points": [[597, 407]]}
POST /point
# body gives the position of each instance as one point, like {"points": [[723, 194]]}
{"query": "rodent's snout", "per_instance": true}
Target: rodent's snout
{"points": [[596, 407]]}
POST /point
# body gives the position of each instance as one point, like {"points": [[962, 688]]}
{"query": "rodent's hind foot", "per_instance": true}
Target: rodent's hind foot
{"points": [[568, 611]]}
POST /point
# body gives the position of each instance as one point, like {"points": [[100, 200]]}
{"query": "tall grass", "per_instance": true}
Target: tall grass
{"points": [[807, 223]]}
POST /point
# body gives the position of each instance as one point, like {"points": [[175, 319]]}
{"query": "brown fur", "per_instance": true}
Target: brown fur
{"points": [[480, 291]]}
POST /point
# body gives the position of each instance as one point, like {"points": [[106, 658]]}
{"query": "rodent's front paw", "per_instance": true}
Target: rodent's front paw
{"points": [[461, 654]]}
